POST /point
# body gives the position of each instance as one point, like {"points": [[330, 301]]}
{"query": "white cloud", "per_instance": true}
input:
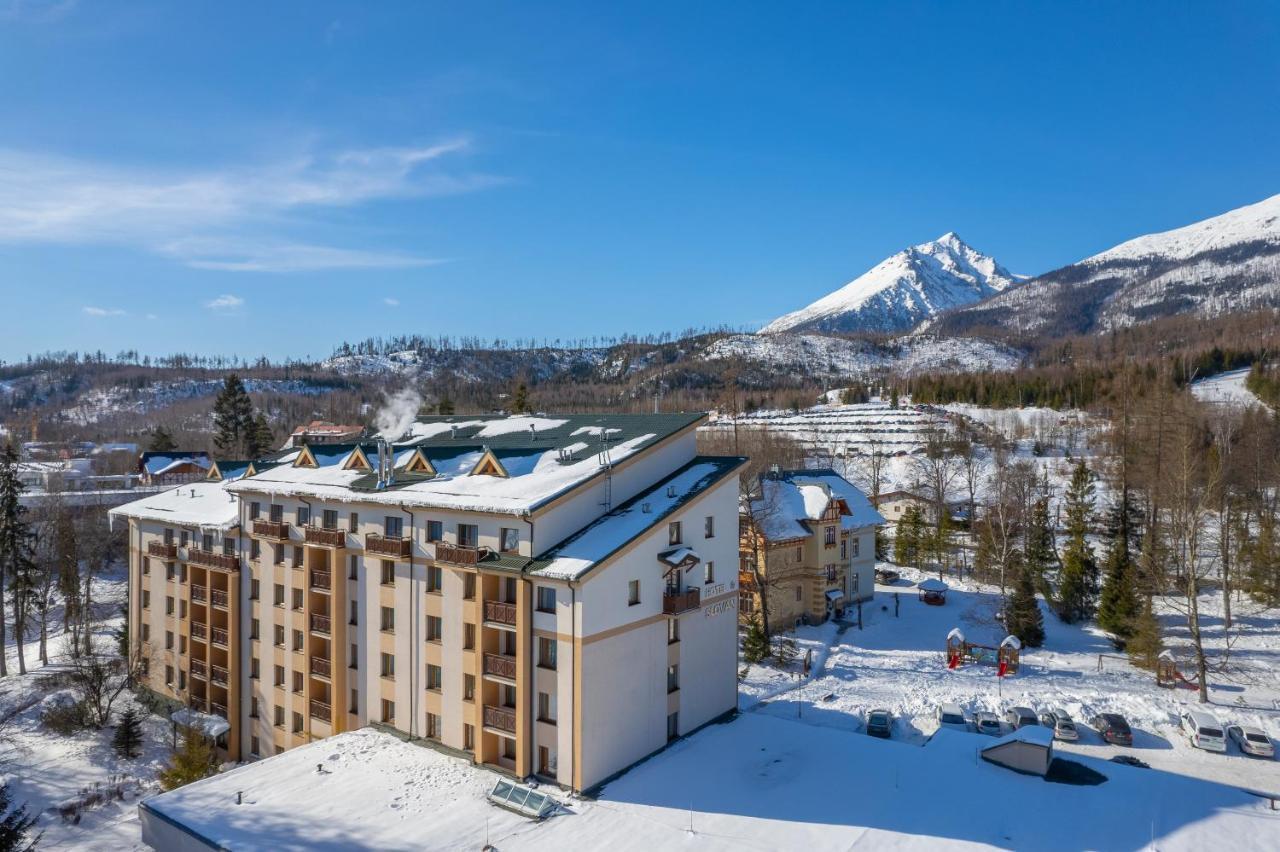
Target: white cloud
{"points": [[152, 317], [236, 219], [103, 312], [395, 303], [225, 302]]}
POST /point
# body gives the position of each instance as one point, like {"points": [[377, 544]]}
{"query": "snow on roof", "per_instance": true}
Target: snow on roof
{"points": [[1011, 642], [199, 504], [574, 557], [794, 497], [1034, 734], [519, 424], [206, 723], [932, 585], [157, 463]]}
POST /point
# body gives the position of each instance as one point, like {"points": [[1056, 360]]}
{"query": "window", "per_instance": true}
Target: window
{"points": [[254, 625], [709, 572], [206, 541], [468, 737], [855, 541], [673, 726], [182, 609], [146, 632], [355, 610], [297, 599], [254, 589], [797, 594], [434, 628], [388, 572], [673, 630], [468, 636], [352, 564], [799, 552], [388, 666], [297, 556], [353, 522], [277, 513], [844, 549], [746, 603], [433, 726], [508, 540], [304, 516], [355, 701], [146, 599], [168, 675], [168, 536], [469, 586], [297, 682], [279, 676], [388, 711], [546, 652], [182, 573], [329, 519], [182, 644], [829, 537], [146, 565], [393, 526], [435, 531], [433, 678], [254, 668], [435, 578], [255, 549], [297, 640], [709, 527], [277, 554], [297, 723], [168, 639], [254, 748], [468, 535], [168, 605], [546, 708], [255, 510], [228, 547], [355, 657], [279, 635], [633, 593], [279, 714], [279, 595], [546, 599], [170, 570], [673, 532], [388, 619], [468, 687]]}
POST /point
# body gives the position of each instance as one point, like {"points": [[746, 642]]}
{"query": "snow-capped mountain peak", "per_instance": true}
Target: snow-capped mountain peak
{"points": [[903, 290]]}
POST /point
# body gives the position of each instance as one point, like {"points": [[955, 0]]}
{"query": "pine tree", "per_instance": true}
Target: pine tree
{"points": [[161, 441], [233, 419], [1146, 641], [1040, 555], [893, 399], [17, 565], [755, 644], [67, 554], [908, 539], [127, 741], [520, 402], [193, 760], [445, 406], [261, 439], [15, 825], [1262, 574], [1077, 588], [1023, 617], [1118, 605], [984, 554]]}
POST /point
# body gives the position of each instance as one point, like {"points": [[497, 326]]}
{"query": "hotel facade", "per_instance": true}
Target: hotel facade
{"points": [[552, 596]]}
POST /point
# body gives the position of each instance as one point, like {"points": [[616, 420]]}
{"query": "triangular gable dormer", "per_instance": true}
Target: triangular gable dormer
{"points": [[357, 460], [836, 508], [251, 470], [305, 458], [418, 463], [214, 474], [488, 466]]}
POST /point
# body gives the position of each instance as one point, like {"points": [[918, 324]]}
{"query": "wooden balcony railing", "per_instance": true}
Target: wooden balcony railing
{"points": [[213, 559], [385, 545], [500, 612], [161, 550], [219, 675], [321, 580], [320, 623], [502, 718], [198, 594], [199, 631], [321, 711], [278, 530], [326, 538], [500, 665], [220, 637], [674, 603], [321, 667], [458, 554], [219, 598], [197, 669]]}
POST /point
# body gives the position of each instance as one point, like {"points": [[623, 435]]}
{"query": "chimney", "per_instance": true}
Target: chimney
{"points": [[384, 463]]}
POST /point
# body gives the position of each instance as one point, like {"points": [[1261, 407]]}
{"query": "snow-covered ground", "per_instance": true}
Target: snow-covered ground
{"points": [[1226, 389], [841, 429]]}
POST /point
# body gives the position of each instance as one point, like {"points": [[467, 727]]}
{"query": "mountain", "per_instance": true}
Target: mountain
{"points": [[903, 290], [1224, 265]]}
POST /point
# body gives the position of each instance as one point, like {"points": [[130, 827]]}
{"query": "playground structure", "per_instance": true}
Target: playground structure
{"points": [[1005, 656], [1167, 674]]}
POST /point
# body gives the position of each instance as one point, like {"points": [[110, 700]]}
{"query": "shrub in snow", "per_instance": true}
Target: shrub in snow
{"points": [[63, 713], [127, 741], [784, 650], [193, 760]]}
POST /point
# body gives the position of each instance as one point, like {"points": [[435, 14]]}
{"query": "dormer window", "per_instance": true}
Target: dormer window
{"points": [[673, 533]]}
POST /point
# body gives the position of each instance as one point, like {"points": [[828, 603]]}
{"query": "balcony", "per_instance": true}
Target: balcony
{"points": [[219, 675], [213, 559], [386, 545], [218, 709], [221, 637], [197, 669], [277, 530], [199, 594], [500, 718], [199, 631], [320, 624], [674, 603], [500, 612], [162, 550], [325, 537], [321, 667], [457, 554], [500, 665], [321, 580], [219, 598], [321, 711]]}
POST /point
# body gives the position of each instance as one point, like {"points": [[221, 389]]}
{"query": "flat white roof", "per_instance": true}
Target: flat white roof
{"points": [[196, 504]]}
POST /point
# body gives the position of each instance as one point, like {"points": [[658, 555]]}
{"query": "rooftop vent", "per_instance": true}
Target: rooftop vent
{"points": [[671, 491], [646, 508]]}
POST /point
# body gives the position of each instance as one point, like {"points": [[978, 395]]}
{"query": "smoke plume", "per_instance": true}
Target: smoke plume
{"points": [[397, 414]]}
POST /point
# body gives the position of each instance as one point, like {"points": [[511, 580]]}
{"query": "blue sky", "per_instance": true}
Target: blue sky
{"points": [[274, 178]]}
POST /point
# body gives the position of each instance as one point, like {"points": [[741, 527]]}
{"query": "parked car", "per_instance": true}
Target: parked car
{"points": [[886, 576], [1064, 728], [1251, 741], [880, 723], [1204, 731], [1020, 717], [1130, 760], [986, 723], [951, 716], [1113, 728]]}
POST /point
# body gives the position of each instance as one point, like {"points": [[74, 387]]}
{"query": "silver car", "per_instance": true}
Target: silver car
{"points": [[1064, 727], [986, 723], [1251, 741]]}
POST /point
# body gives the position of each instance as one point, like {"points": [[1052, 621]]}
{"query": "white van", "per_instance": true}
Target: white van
{"points": [[1204, 731]]}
